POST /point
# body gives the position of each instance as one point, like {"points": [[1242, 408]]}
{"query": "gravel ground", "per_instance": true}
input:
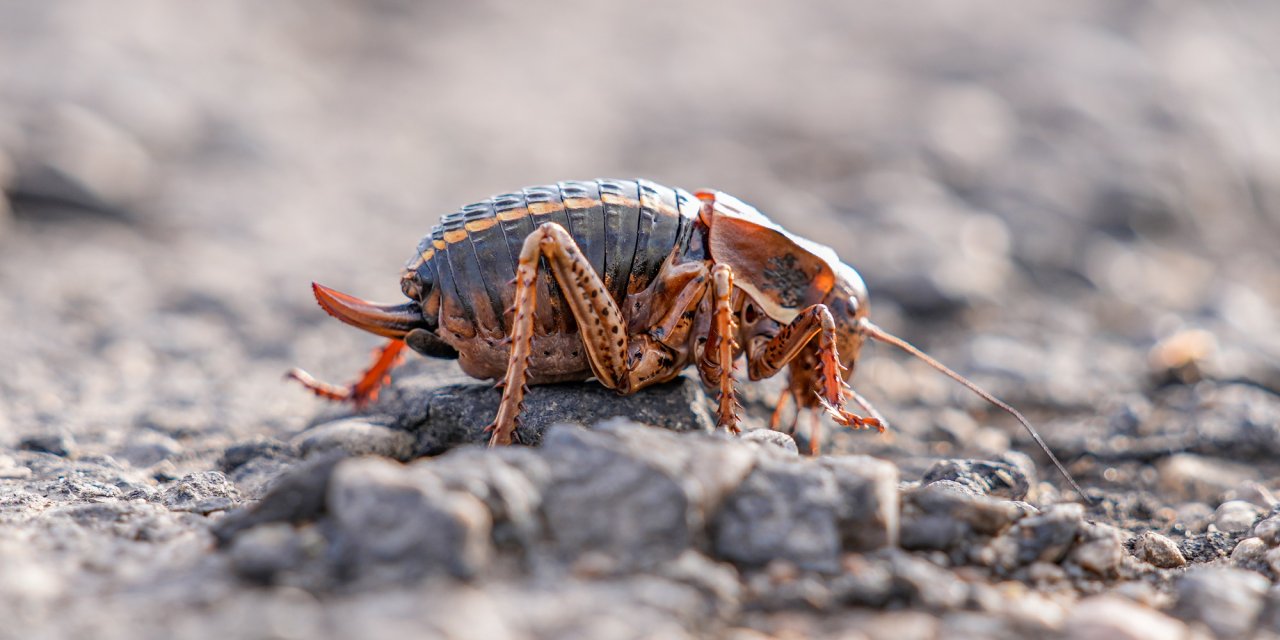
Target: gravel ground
{"points": [[1077, 204]]}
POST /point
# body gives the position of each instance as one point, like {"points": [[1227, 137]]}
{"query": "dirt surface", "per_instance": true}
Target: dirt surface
{"points": [[1076, 204]]}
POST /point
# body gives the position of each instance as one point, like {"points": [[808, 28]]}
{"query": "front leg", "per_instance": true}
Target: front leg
{"points": [[767, 356], [599, 321]]}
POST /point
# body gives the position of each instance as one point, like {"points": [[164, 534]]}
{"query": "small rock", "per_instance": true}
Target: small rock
{"points": [[1099, 550], [783, 510], [201, 493], [945, 515], [11, 470], [394, 525], [1158, 550], [356, 437], [1268, 530], [1191, 477], [510, 481], [867, 508], [1117, 618], [1045, 537], [1208, 547], [1236, 515], [296, 496], [1248, 554], [1272, 560], [998, 479], [1226, 600], [58, 444], [262, 553], [769, 437], [923, 583], [241, 453]]}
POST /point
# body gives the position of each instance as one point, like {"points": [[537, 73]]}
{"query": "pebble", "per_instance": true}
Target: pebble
{"points": [[1190, 477], [1158, 550], [1268, 530], [264, 552], [1100, 549], [394, 525], [944, 515], [997, 479], [1226, 600], [867, 509], [1044, 537], [769, 437], [58, 444], [355, 437], [201, 493], [1118, 618], [1236, 515]]}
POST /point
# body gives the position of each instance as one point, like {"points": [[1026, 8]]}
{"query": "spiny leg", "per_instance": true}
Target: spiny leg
{"points": [[766, 359], [716, 365], [599, 320], [362, 391]]}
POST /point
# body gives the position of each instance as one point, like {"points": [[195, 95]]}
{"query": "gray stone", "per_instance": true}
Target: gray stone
{"points": [[783, 510], [1158, 550], [1100, 549], [1226, 600], [262, 553], [1117, 618], [296, 496], [922, 583], [1189, 477], [356, 437], [867, 509], [604, 502], [509, 481], [997, 479], [1268, 530], [201, 493], [1236, 515], [769, 437], [1044, 537], [394, 525], [444, 417], [945, 515], [1249, 553], [58, 444]]}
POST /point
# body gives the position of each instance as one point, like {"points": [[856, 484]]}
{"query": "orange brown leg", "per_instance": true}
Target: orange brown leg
{"points": [[599, 320], [814, 322], [716, 365], [363, 391]]}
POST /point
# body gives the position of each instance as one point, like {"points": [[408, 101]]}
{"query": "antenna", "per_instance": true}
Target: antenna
{"points": [[877, 333]]}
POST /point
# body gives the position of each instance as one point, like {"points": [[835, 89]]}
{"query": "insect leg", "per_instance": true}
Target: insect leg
{"points": [[814, 322], [599, 320], [716, 365], [364, 390]]}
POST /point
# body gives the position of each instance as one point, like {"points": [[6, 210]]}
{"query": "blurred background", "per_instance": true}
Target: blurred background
{"points": [[1073, 202]]}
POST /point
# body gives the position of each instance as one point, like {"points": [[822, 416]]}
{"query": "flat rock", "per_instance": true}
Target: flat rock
{"points": [[356, 437]]}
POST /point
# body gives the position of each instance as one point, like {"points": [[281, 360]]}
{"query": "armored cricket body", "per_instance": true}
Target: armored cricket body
{"points": [[629, 282]]}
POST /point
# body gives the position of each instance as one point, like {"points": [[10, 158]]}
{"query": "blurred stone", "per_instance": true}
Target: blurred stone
{"points": [[262, 553], [922, 583], [769, 437], [1158, 551], [1268, 530], [1100, 549], [783, 510], [1236, 515], [58, 444], [355, 437], [997, 479], [201, 493], [394, 525], [1117, 618], [510, 481], [939, 517], [1044, 537], [1192, 477], [1228, 601], [1184, 357], [867, 509], [602, 500], [298, 495], [1248, 553]]}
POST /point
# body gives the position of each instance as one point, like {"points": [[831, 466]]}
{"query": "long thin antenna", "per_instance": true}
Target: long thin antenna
{"points": [[876, 332]]}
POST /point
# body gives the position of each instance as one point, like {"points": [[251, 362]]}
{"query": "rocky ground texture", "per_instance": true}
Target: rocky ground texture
{"points": [[1075, 204]]}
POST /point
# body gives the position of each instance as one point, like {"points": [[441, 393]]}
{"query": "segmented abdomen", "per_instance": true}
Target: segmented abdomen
{"points": [[625, 228]]}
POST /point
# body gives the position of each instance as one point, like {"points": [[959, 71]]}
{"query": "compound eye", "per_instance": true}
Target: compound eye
{"points": [[409, 286]]}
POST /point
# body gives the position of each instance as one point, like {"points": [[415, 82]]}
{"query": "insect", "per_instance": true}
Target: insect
{"points": [[629, 282]]}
